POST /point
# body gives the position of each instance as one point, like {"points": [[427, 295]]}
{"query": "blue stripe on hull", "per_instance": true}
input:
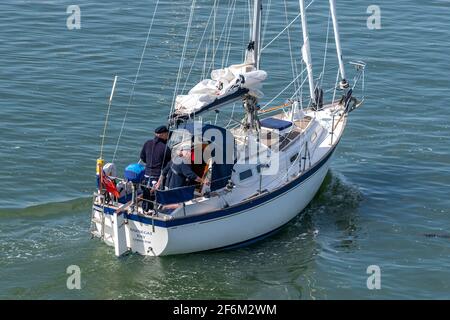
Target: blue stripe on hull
{"points": [[233, 209]]}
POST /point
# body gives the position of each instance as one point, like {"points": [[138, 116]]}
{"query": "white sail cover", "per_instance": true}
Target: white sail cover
{"points": [[223, 83]]}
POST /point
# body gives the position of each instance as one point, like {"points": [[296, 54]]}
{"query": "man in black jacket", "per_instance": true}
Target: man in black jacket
{"points": [[155, 154]]}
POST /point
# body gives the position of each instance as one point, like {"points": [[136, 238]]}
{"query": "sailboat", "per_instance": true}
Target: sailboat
{"points": [[258, 173]]}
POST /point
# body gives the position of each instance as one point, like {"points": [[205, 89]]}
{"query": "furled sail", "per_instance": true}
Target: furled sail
{"points": [[225, 86]]}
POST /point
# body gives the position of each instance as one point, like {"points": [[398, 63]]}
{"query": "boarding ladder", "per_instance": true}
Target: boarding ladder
{"points": [[93, 228]]}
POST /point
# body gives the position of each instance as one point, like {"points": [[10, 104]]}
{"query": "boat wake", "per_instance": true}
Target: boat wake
{"points": [[337, 198], [48, 209], [46, 231], [337, 194]]}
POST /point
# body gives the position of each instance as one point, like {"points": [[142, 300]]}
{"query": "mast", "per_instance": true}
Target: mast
{"points": [[306, 52], [344, 83], [256, 37], [250, 102]]}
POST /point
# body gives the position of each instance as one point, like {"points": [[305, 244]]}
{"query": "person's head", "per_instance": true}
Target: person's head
{"points": [[162, 133], [185, 151]]}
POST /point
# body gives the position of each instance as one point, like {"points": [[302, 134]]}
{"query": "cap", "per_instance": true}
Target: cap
{"points": [[161, 129]]}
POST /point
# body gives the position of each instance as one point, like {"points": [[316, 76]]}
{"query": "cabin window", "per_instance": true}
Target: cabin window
{"points": [[245, 174], [294, 157]]}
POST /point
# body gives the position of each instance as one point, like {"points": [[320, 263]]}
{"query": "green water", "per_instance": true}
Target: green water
{"points": [[385, 201]]}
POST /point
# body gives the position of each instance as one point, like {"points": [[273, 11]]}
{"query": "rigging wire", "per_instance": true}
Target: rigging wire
{"points": [[197, 51], [335, 86], [213, 57], [363, 87], [302, 79], [211, 66], [322, 75], [226, 28], [300, 89], [204, 62], [231, 116], [288, 26], [208, 44], [227, 49], [280, 33], [285, 88], [135, 80], [245, 26], [107, 116], [266, 20], [293, 64], [183, 54]]}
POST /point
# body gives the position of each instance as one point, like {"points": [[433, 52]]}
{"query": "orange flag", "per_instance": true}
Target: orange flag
{"points": [[110, 186]]}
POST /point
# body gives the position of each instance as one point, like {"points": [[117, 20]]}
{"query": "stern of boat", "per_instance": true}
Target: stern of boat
{"points": [[124, 231]]}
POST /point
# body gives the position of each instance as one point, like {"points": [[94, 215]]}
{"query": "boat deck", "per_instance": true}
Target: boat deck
{"points": [[271, 138]]}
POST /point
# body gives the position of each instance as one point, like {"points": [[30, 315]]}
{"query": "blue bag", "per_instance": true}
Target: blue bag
{"points": [[135, 173]]}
